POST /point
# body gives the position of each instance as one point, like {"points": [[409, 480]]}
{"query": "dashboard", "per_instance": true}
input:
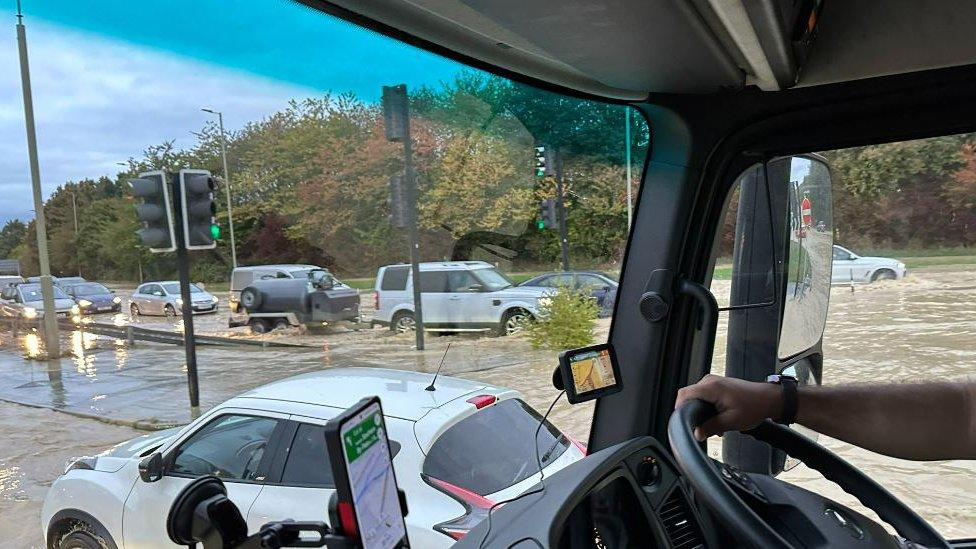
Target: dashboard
{"points": [[628, 495]]}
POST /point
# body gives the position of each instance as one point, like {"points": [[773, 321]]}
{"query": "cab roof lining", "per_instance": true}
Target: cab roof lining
{"points": [[628, 49]]}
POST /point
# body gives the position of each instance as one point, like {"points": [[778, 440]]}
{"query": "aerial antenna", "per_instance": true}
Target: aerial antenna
{"points": [[431, 386]]}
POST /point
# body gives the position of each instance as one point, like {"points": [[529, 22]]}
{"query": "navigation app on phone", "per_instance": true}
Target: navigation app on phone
{"points": [[374, 491]]}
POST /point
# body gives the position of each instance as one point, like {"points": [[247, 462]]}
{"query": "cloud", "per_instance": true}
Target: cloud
{"points": [[99, 101]]}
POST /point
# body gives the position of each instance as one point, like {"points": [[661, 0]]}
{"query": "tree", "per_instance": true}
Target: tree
{"points": [[11, 235]]}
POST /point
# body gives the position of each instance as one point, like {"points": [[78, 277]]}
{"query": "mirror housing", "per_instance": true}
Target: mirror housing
{"points": [[151, 467]]}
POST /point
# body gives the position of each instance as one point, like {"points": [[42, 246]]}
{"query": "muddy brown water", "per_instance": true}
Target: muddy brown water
{"points": [[917, 329]]}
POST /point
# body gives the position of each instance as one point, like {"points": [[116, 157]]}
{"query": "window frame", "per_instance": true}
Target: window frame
{"points": [[263, 468]]}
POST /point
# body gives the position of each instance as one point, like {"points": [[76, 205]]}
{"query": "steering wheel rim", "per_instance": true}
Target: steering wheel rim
{"points": [[747, 525]]}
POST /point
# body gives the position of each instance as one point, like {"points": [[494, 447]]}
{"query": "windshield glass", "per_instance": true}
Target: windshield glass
{"points": [[284, 105], [89, 289], [32, 292], [493, 280], [173, 288]]}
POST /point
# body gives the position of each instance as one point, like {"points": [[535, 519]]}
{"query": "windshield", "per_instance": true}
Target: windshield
{"points": [[173, 288], [284, 105], [493, 280], [32, 292], [89, 289]]}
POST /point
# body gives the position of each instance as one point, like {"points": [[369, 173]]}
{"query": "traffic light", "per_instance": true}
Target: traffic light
{"points": [[200, 229], [156, 211], [540, 161], [547, 214]]}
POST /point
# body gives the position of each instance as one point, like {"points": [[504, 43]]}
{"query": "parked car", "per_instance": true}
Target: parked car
{"points": [[25, 300], [455, 296], [456, 451], [279, 296], [600, 285], [10, 280], [163, 298], [93, 297], [850, 267]]}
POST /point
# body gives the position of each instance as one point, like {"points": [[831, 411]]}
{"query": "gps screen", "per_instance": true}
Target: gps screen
{"points": [[366, 452], [592, 371], [589, 372]]}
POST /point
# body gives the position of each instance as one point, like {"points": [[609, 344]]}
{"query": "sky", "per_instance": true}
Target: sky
{"points": [[108, 82]]}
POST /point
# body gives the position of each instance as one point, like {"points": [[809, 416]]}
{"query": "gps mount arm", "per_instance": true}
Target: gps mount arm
{"points": [[202, 513]]}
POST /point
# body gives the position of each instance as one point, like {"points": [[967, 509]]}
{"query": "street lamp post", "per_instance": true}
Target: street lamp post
{"points": [[223, 155]]}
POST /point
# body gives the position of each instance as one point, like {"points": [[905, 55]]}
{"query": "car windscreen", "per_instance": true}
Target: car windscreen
{"points": [[492, 279], [32, 292], [89, 289], [493, 448], [174, 288]]}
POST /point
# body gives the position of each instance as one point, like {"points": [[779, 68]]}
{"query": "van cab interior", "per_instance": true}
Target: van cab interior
{"points": [[736, 94]]}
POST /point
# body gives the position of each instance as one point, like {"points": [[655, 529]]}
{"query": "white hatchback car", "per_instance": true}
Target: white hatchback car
{"points": [[457, 450]]}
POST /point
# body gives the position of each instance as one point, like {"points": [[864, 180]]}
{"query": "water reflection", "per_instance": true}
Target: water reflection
{"points": [[31, 344]]}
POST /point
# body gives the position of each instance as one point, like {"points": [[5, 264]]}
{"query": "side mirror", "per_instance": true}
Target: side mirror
{"points": [[151, 467]]}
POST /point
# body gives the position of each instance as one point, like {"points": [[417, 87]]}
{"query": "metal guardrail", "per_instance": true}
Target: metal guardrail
{"points": [[131, 333]]}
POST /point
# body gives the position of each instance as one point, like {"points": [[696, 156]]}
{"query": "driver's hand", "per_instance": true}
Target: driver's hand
{"points": [[741, 404]]}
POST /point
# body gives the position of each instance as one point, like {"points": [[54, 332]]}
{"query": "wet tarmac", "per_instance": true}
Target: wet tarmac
{"points": [[919, 328]]}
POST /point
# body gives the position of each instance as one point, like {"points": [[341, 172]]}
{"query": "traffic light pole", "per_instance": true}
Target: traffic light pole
{"points": [[561, 207], [183, 265]]}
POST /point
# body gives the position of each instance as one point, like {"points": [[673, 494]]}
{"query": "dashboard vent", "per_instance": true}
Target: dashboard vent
{"points": [[679, 522]]}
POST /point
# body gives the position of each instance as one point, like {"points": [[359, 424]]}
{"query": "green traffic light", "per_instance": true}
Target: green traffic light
{"points": [[215, 231], [541, 224]]}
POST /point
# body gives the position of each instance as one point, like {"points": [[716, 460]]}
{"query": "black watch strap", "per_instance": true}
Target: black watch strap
{"points": [[790, 398]]}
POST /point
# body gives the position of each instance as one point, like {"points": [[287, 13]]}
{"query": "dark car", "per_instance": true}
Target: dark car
{"points": [[92, 297], [602, 286]]}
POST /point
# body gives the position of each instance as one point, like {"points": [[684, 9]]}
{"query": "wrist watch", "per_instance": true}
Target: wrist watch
{"points": [[790, 400]]}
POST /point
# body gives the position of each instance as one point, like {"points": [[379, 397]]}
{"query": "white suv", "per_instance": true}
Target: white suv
{"points": [[456, 296]]}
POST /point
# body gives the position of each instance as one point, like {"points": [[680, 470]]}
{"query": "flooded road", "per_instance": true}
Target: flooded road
{"points": [[923, 328]]}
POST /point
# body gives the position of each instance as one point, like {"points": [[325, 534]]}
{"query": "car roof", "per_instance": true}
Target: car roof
{"points": [[449, 265], [281, 266], [627, 49], [402, 393]]}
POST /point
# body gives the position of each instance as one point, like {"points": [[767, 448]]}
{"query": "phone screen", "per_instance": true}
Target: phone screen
{"points": [[366, 451]]}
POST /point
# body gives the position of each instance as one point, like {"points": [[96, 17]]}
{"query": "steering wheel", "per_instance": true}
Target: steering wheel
{"points": [[744, 523]]}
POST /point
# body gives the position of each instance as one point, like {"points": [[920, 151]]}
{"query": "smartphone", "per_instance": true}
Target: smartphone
{"points": [[589, 372], [368, 503]]}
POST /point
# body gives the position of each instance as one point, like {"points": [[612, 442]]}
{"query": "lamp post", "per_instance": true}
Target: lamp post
{"points": [[223, 155]]}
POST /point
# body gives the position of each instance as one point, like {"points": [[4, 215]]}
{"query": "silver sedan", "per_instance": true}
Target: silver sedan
{"points": [[163, 298]]}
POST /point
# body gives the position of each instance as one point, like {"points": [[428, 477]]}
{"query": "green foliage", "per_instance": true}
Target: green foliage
{"points": [[11, 236], [566, 320]]}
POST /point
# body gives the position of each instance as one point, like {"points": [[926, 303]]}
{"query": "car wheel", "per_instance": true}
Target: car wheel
{"points": [[133, 310], [883, 274], [169, 310], [403, 322], [81, 537], [250, 299], [259, 326], [281, 324], [513, 322]]}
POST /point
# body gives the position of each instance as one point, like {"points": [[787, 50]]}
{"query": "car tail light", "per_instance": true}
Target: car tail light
{"points": [[579, 445], [376, 300], [476, 508], [481, 401]]}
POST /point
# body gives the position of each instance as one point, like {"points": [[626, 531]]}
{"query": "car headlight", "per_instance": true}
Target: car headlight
{"points": [[116, 300], [82, 463], [214, 298], [84, 303], [75, 310], [30, 312]]}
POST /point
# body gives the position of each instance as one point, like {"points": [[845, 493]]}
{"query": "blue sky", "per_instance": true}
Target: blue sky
{"points": [[113, 77]]}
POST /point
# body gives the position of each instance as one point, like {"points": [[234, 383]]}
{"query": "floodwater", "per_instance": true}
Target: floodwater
{"points": [[922, 328]]}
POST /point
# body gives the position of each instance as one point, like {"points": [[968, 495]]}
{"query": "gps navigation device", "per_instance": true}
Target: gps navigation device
{"points": [[368, 500], [589, 372]]}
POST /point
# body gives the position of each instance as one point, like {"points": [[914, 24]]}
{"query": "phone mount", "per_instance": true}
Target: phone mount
{"points": [[203, 514]]}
